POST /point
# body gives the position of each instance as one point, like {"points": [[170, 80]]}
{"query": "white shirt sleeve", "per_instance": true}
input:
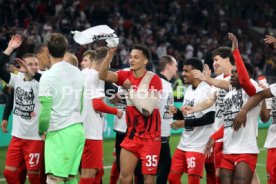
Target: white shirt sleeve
{"points": [[12, 80], [273, 89]]}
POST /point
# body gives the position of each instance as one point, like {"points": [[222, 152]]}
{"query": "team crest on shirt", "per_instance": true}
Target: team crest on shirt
{"points": [[232, 105], [219, 102], [24, 102]]}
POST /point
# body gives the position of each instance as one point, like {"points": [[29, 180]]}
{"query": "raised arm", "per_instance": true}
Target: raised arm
{"points": [[219, 83], [243, 76], [14, 43], [104, 74]]}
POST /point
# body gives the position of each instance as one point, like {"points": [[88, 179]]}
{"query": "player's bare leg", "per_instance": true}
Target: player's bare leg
{"points": [[128, 162], [255, 179], [149, 179], [243, 174], [226, 176]]}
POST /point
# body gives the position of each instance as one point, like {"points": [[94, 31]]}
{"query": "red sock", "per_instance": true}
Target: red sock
{"points": [[86, 180], [114, 174], [193, 179], [22, 173], [174, 178], [99, 176], [11, 177], [211, 173], [34, 178], [217, 180]]}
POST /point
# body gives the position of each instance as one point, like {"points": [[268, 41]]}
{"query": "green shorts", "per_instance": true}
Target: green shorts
{"points": [[63, 150]]}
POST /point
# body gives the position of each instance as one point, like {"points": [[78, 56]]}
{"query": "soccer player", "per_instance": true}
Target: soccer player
{"points": [[241, 119], [87, 59], [168, 69], [94, 107], [60, 95], [26, 146], [142, 141], [42, 54], [240, 148], [223, 64], [189, 157]]}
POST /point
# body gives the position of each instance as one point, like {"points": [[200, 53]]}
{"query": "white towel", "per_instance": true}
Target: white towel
{"points": [[101, 32]]}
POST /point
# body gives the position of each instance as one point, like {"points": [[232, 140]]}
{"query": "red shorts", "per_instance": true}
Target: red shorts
{"points": [[271, 165], [29, 151], [218, 153], [228, 161], [92, 156], [188, 162], [147, 152]]}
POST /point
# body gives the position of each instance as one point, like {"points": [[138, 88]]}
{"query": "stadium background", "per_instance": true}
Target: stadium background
{"points": [[182, 28]]}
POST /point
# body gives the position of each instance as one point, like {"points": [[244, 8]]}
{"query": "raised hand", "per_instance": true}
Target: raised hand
{"points": [[269, 39], [198, 75], [207, 71], [15, 41], [234, 40]]}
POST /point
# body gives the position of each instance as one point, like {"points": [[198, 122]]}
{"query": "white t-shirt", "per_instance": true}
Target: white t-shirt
{"points": [[219, 105], [93, 122], [243, 140], [271, 135], [195, 140], [165, 102], [120, 125], [26, 107], [64, 83]]}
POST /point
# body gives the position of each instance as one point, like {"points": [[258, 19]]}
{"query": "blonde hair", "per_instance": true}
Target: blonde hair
{"points": [[71, 58]]}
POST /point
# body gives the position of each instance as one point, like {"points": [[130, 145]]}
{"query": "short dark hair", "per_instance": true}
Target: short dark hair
{"points": [[145, 50], [100, 53], [90, 54], [224, 52], [195, 63], [38, 49], [57, 45], [164, 60]]}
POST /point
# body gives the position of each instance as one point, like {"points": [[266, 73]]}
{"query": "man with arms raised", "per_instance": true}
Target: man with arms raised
{"points": [[94, 90], [143, 119]]}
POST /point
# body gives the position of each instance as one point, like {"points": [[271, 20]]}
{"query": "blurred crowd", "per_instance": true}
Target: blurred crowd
{"points": [[182, 28]]}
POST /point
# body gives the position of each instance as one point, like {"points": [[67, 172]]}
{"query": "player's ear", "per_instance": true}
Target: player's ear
{"points": [[146, 61]]}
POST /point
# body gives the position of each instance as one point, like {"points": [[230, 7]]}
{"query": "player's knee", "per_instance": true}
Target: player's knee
{"points": [[10, 175], [174, 178], [34, 177], [123, 178], [88, 173], [149, 179]]}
